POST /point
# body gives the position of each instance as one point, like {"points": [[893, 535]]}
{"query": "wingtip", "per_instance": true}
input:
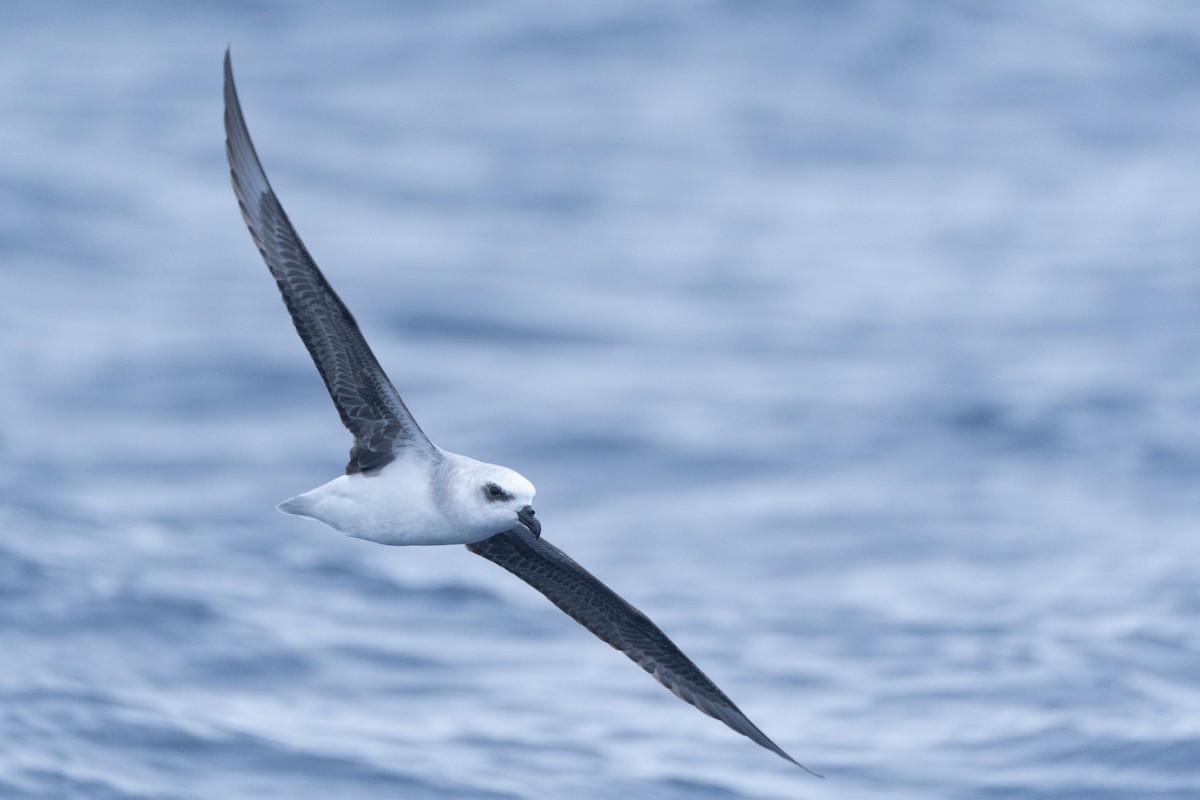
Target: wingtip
{"points": [[814, 773], [777, 750]]}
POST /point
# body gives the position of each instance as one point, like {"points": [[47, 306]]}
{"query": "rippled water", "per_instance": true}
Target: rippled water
{"points": [[856, 343]]}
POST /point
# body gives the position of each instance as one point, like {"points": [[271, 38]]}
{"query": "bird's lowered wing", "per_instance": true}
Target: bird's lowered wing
{"points": [[369, 405], [602, 611]]}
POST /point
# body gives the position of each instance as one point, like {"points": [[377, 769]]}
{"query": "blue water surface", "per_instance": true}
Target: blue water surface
{"points": [[858, 344]]}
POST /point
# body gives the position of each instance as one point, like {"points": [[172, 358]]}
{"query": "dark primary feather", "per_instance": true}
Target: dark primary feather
{"points": [[603, 612], [369, 405]]}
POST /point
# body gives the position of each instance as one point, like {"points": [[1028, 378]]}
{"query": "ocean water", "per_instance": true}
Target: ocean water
{"points": [[858, 344]]}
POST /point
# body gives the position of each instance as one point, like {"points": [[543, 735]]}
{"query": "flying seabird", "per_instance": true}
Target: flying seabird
{"points": [[402, 489]]}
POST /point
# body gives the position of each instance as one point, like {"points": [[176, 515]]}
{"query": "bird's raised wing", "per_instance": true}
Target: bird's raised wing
{"points": [[369, 405], [602, 611]]}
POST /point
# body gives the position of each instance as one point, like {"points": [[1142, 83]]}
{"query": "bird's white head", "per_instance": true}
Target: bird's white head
{"points": [[492, 499]]}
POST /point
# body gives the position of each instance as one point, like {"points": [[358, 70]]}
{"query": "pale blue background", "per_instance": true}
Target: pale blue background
{"points": [[856, 343]]}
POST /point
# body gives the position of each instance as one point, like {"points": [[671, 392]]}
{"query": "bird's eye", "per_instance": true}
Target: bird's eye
{"points": [[495, 492]]}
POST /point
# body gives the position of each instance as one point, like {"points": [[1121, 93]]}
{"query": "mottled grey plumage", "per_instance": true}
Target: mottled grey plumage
{"points": [[369, 405], [603, 612], [372, 410]]}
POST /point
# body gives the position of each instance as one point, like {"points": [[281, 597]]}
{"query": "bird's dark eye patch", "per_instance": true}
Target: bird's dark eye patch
{"points": [[493, 491]]}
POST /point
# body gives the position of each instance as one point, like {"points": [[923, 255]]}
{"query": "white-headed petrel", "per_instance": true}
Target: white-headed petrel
{"points": [[402, 489]]}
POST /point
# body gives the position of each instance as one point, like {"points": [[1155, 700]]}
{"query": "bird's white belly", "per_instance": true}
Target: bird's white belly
{"points": [[392, 507]]}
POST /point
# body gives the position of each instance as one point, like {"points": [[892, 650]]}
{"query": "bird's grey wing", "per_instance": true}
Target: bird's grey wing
{"points": [[369, 405], [602, 611]]}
